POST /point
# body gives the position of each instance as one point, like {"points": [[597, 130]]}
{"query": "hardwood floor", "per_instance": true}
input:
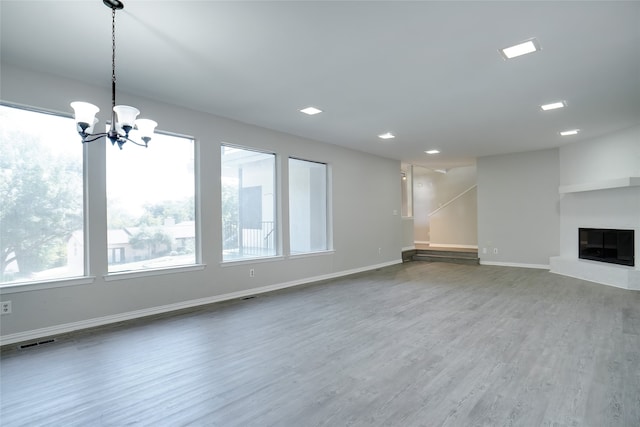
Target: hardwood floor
{"points": [[418, 344]]}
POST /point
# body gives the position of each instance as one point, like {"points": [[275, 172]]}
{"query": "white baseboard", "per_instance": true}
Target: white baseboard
{"points": [[619, 276], [580, 277], [115, 318], [515, 264]]}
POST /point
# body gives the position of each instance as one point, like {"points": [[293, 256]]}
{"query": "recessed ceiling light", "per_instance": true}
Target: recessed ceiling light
{"points": [[432, 152], [520, 49], [553, 105], [570, 132], [311, 111], [387, 135]]}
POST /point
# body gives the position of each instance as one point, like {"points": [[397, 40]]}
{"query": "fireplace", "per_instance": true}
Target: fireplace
{"points": [[607, 245]]}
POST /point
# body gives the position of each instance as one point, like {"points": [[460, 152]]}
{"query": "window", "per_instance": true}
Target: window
{"points": [[150, 204], [41, 197], [249, 227], [307, 206]]}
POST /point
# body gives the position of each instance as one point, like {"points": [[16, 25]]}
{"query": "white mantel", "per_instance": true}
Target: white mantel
{"points": [[631, 181]]}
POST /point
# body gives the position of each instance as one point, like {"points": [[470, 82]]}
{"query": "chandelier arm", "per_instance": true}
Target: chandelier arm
{"points": [[137, 143], [94, 137]]}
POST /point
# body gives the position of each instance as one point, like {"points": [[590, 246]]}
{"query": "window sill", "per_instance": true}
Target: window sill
{"points": [[275, 258], [256, 260], [125, 275], [13, 288], [312, 254]]}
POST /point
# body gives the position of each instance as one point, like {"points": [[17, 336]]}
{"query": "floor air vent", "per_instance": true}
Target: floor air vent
{"points": [[36, 343]]}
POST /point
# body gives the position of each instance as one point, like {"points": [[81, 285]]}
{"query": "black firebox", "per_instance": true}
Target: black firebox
{"points": [[607, 245]]}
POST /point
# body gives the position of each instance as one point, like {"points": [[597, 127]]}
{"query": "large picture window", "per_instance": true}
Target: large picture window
{"points": [[41, 197], [249, 227], [150, 204], [307, 206]]}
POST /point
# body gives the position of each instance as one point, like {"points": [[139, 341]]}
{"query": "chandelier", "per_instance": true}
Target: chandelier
{"points": [[123, 117]]}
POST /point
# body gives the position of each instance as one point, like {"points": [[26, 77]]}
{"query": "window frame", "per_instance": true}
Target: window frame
{"points": [[89, 186], [86, 276], [197, 263], [277, 209]]}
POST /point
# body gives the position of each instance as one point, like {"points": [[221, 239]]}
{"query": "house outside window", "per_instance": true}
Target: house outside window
{"points": [[150, 204], [41, 197], [249, 223]]}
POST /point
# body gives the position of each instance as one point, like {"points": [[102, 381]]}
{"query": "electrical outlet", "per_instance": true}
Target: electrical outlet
{"points": [[379, 251], [5, 307], [484, 250], [495, 251], [252, 272]]}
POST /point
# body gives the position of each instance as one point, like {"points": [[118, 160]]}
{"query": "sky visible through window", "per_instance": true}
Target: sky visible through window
{"points": [[59, 130], [139, 176]]}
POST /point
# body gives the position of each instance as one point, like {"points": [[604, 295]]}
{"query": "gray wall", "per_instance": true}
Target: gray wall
{"points": [[367, 229], [518, 208]]}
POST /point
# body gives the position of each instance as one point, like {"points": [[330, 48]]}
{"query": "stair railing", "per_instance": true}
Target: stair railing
{"points": [[452, 200]]}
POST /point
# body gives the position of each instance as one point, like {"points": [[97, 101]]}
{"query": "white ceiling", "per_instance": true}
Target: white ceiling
{"points": [[429, 72]]}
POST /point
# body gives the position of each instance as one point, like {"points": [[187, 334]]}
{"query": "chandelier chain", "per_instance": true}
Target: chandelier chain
{"points": [[113, 57]]}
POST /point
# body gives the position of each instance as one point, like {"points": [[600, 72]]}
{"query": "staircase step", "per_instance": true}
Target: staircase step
{"points": [[453, 256], [438, 258], [471, 253]]}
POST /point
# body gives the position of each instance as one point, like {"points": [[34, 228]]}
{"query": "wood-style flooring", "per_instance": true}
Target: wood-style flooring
{"points": [[417, 344]]}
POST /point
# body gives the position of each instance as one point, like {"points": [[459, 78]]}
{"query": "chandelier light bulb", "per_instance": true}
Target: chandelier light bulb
{"points": [[84, 114], [93, 125], [145, 128], [126, 116]]}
